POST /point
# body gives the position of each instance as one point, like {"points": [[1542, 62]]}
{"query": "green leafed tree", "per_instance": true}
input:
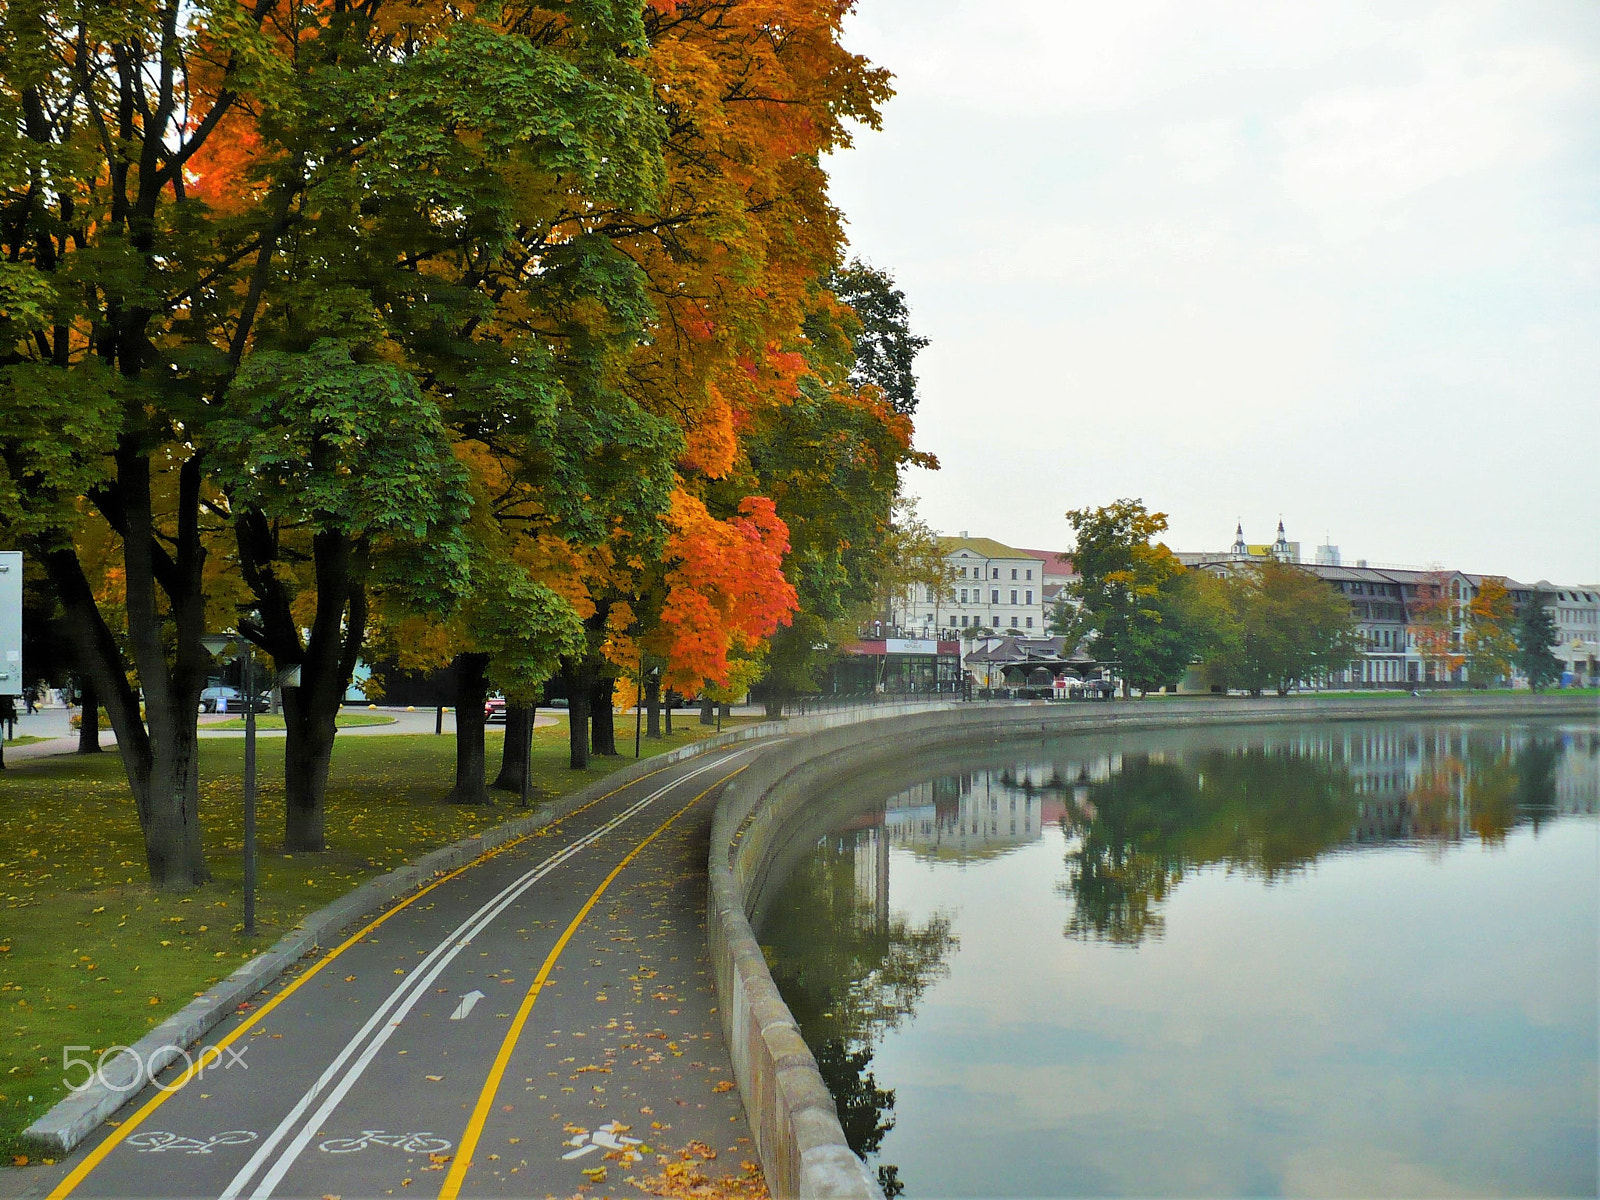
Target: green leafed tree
{"points": [[1289, 627], [340, 479], [1536, 636], [883, 346], [1125, 592]]}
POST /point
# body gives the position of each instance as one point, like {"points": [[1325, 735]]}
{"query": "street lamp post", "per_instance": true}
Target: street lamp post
{"points": [[224, 647]]}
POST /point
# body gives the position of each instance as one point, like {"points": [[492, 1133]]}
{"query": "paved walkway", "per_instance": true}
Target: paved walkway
{"points": [[543, 1022], [53, 724]]}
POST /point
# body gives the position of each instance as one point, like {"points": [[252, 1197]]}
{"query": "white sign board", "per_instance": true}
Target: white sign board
{"points": [[10, 622], [911, 646]]}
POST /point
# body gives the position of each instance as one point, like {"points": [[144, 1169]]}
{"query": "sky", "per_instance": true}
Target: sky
{"points": [[1333, 262]]}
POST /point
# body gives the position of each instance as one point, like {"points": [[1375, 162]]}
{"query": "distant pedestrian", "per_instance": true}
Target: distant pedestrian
{"points": [[8, 717], [28, 698]]}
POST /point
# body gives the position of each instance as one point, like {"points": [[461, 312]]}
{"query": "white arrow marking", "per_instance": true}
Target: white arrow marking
{"points": [[468, 1003]]}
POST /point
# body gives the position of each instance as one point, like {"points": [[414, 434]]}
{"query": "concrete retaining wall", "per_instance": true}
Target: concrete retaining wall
{"points": [[792, 1115]]}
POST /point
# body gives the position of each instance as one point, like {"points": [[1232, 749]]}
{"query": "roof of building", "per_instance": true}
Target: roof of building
{"points": [[1055, 562], [984, 547], [1018, 650]]}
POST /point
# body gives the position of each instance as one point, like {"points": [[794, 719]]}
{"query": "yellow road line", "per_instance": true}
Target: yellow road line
{"points": [[480, 1112], [98, 1154]]}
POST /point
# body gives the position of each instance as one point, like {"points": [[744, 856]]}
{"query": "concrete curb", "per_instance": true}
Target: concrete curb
{"points": [[73, 1119], [793, 1117]]}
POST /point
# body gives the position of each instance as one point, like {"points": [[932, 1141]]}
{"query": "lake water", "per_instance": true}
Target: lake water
{"points": [[1333, 960]]}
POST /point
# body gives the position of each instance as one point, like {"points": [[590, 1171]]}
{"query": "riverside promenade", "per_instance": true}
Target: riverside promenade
{"points": [[543, 1019]]}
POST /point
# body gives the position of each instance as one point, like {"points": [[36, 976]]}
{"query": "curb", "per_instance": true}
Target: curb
{"points": [[73, 1119]]}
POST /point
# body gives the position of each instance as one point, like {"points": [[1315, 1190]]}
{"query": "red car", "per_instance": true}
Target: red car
{"points": [[494, 709]]}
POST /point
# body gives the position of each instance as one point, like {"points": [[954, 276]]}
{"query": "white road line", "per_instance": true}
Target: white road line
{"points": [[405, 996], [468, 1003]]}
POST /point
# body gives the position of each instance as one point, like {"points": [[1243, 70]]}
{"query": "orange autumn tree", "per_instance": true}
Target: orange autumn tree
{"points": [[725, 588], [752, 93], [1435, 617]]}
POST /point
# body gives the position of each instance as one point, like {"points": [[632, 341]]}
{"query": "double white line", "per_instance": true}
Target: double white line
{"points": [[386, 1019]]}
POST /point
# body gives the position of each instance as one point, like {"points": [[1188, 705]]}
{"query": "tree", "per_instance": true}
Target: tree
{"points": [[1536, 634], [1194, 622], [1435, 618], [341, 463], [131, 291], [1120, 589], [880, 335], [1491, 636], [1290, 627]]}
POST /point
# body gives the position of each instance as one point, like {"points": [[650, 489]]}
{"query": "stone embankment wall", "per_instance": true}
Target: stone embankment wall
{"points": [[796, 1126]]}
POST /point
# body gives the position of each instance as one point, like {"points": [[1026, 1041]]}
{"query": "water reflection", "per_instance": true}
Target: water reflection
{"points": [[1131, 827], [1137, 823]]}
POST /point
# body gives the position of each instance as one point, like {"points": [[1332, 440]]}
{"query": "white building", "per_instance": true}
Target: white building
{"points": [[1577, 614], [990, 586]]}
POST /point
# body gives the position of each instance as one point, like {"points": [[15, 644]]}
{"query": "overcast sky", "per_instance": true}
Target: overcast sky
{"points": [[1334, 260]]}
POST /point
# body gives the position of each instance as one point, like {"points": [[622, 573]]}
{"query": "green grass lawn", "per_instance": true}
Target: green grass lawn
{"points": [[90, 954], [344, 720], [26, 739]]}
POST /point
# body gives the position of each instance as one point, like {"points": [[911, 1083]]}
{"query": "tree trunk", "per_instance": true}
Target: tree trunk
{"points": [[672, 702], [774, 704], [326, 659], [89, 722], [708, 715], [578, 688], [652, 699], [513, 759], [724, 711], [160, 752], [472, 688], [602, 718]]}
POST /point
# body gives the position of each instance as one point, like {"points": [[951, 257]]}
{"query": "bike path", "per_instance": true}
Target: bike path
{"points": [[541, 1022]]}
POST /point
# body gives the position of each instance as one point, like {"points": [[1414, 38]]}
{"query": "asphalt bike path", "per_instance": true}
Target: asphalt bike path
{"points": [[540, 1022]]}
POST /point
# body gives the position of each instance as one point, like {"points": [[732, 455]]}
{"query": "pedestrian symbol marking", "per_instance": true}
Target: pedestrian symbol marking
{"points": [[468, 1003]]}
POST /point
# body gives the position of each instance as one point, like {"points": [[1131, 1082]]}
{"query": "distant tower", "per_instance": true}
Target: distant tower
{"points": [[1280, 548], [1240, 550]]}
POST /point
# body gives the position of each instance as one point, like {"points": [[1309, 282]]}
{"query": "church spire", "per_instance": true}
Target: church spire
{"points": [[1280, 548]]}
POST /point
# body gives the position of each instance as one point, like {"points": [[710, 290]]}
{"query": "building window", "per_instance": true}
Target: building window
{"points": [[994, 596], [1013, 595], [1013, 620], [1029, 572], [1030, 622], [963, 600], [1029, 599], [963, 622], [1014, 575], [995, 574], [962, 573]]}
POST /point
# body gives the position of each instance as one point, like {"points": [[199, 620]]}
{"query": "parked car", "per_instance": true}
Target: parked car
{"points": [[224, 699], [494, 709], [215, 699]]}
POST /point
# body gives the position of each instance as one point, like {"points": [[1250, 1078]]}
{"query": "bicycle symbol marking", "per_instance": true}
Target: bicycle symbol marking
{"points": [[407, 1143], [157, 1141]]}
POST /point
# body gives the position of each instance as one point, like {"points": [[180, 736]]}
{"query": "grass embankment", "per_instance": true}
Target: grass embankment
{"points": [[91, 955], [345, 720]]}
